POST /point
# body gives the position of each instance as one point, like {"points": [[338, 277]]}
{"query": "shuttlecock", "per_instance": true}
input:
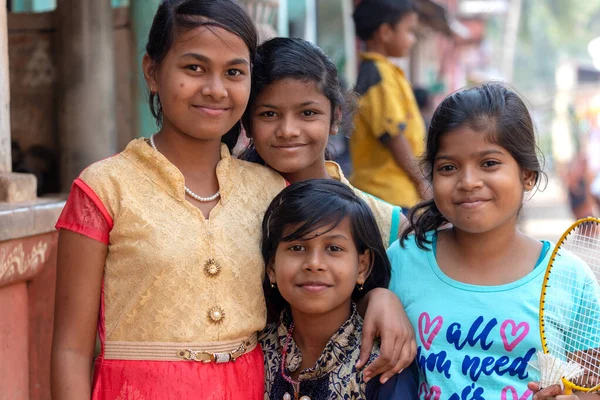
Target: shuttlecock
{"points": [[553, 370]]}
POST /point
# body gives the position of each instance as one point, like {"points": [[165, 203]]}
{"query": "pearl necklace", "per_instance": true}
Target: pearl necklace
{"points": [[295, 384], [187, 190]]}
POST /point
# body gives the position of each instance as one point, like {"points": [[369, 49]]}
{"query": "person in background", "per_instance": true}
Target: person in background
{"points": [[389, 130], [423, 98]]}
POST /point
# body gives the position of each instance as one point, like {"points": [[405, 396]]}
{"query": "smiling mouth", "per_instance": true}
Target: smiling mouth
{"points": [[471, 203], [211, 111], [289, 146], [314, 287]]}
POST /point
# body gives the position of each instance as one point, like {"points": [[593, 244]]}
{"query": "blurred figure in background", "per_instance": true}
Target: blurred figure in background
{"points": [[389, 130], [578, 181], [425, 104]]}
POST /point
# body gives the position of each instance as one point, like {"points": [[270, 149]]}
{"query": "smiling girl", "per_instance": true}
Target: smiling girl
{"points": [[323, 253], [297, 102], [472, 290]]}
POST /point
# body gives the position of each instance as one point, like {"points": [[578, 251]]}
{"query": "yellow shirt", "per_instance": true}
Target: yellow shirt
{"points": [[386, 215], [168, 268], [387, 107]]}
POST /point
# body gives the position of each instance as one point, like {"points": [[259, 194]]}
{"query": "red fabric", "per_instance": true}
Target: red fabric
{"points": [[175, 380], [85, 214]]}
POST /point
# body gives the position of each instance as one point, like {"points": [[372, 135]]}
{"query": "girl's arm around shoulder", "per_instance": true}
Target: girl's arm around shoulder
{"points": [[78, 290], [385, 318], [402, 386]]}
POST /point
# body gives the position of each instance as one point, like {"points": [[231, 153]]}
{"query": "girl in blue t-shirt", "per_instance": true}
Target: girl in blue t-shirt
{"points": [[469, 279]]}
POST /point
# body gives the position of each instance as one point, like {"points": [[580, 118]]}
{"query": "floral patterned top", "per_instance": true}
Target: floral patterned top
{"points": [[334, 376]]}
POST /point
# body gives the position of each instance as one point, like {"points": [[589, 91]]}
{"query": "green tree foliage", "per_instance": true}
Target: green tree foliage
{"points": [[551, 30]]}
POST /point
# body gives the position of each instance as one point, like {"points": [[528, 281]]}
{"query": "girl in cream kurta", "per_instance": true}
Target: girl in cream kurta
{"points": [[174, 280]]}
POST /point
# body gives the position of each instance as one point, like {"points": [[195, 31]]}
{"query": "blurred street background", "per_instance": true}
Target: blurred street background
{"points": [[72, 93]]}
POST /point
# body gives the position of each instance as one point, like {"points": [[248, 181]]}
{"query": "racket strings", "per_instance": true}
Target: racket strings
{"points": [[572, 310]]}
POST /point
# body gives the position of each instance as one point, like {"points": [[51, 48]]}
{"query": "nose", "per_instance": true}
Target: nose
{"points": [[314, 262], [288, 128], [469, 180], [214, 87]]}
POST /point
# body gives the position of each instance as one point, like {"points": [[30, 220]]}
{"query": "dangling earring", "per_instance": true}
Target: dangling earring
{"points": [[360, 286]]}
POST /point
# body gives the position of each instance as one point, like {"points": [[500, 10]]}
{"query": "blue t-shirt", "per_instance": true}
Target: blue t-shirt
{"points": [[473, 342]]}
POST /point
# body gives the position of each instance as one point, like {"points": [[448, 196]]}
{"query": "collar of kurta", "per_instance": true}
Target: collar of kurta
{"points": [[335, 171], [339, 348], [167, 176]]}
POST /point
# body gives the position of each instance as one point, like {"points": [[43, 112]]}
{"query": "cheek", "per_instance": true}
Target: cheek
{"points": [[240, 93]]}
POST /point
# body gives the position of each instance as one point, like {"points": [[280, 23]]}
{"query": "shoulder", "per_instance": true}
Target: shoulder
{"points": [[252, 172], [409, 247], [369, 75], [109, 169], [103, 167], [568, 264]]}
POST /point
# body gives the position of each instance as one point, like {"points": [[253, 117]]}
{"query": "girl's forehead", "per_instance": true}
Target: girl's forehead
{"points": [[210, 39], [466, 141], [292, 91]]}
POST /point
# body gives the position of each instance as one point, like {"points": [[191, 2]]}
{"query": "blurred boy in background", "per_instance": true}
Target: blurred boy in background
{"points": [[389, 130]]}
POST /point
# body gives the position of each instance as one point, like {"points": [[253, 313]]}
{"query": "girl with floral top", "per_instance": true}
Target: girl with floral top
{"points": [[159, 245], [322, 252]]}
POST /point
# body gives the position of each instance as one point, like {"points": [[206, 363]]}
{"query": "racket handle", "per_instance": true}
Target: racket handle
{"points": [[568, 390]]}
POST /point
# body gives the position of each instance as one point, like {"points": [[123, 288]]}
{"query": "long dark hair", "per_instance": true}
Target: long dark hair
{"points": [[314, 204], [491, 108], [175, 16], [281, 58]]}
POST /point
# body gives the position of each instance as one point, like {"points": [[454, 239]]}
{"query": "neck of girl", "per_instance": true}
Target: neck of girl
{"points": [[313, 331], [316, 171], [506, 253], [197, 159]]}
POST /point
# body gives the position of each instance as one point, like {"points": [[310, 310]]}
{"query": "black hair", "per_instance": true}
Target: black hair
{"points": [[281, 58], [174, 16], [491, 108], [315, 204], [369, 15]]}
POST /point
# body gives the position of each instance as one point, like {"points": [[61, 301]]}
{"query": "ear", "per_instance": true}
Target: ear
{"points": [[528, 179], [271, 272], [337, 120], [149, 69], [385, 32], [365, 264]]}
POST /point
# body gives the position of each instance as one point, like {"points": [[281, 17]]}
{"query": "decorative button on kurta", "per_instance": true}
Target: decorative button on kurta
{"points": [[216, 315], [212, 267]]}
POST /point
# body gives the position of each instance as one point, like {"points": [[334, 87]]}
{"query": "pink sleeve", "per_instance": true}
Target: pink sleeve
{"points": [[85, 214]]}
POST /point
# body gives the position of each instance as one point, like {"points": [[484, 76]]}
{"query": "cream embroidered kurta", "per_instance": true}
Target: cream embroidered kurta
{"points": [[386, 215], [172, 275]]}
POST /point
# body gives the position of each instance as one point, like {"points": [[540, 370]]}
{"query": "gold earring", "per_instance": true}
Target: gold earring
{"points": [[360, 286], [272, 285]]}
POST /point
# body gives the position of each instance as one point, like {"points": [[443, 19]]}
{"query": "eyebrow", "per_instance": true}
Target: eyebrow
{"points": [[478, 154], [306, 103], [203, 58]]}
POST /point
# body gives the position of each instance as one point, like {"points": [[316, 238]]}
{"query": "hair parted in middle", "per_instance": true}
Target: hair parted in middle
{"points": [[322, 203], [176, 16]]}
